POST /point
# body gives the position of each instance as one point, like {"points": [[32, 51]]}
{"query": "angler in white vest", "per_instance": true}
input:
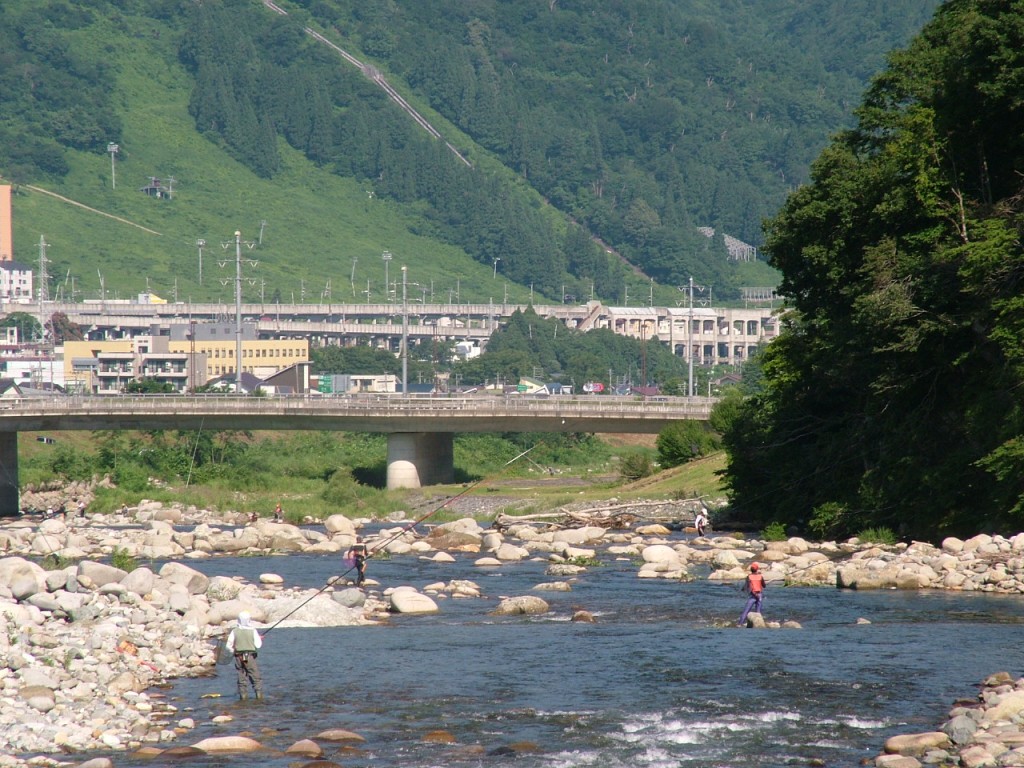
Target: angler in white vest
{"points": [[243, 642]]}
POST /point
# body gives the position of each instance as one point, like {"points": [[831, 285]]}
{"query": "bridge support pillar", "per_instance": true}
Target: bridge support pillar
{"points": [[10, 501], [416, 459]]}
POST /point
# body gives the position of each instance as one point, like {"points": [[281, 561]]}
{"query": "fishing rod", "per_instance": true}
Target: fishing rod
{"points": [[400, 532]]}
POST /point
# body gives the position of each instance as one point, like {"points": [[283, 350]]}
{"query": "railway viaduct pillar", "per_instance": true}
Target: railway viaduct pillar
{"points": [[416, 459]]}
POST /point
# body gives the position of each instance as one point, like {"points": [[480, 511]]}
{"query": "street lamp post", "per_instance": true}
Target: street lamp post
{"points": [[200, 244], [496, 260], [113, 149]]}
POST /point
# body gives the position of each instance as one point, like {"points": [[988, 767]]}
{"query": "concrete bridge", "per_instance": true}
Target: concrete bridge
{"points": [[420, 430]]}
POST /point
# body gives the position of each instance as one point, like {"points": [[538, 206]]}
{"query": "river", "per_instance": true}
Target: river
{"points": [[662, 678]]}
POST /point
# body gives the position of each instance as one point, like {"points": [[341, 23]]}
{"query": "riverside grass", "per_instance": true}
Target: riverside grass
{"points": [[317, 474]]}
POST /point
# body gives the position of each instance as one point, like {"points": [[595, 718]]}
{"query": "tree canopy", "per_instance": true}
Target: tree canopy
{"points": [[894, 393]]}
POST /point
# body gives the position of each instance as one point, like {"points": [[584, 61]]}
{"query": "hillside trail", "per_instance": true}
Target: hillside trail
{"points": [[69, 201]]}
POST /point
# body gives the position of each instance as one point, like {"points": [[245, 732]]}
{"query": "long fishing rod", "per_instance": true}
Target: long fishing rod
{"points": [[400, 532]]}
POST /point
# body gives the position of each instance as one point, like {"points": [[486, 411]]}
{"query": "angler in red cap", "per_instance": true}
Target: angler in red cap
{"points": [[754, 586]]}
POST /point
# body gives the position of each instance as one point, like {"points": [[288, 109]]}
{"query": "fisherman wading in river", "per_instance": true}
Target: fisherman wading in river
{"points": [[754, 586], [243, 643]]}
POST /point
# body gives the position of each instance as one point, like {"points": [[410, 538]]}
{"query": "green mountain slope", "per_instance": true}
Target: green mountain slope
{"points": [[295, 138]]}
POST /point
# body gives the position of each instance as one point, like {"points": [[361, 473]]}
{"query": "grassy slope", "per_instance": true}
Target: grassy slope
{"points": [[316, 222]]}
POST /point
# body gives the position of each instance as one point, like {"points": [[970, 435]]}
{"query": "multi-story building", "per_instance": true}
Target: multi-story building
{"points": [[108, 366], [15, 282], [707, 335]]}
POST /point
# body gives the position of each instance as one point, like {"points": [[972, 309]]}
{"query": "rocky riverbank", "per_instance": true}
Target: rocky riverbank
{"points": [[983, 733], [84, 642]]}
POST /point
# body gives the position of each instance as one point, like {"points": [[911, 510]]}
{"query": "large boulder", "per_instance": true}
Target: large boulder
{"points": [[13, 569], [523, 604], [100, 573], [140, 581], [339, 524], [177, 573], [222, 744], [408, 600], [578, 536], [917, 744]]}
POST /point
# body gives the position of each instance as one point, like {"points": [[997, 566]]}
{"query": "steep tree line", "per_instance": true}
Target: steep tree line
{"points": [[646, 119], [51, 95], [268, 79], [893, 398]]}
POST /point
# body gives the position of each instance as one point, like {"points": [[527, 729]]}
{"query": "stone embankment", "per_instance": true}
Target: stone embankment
{"points": [[83, 642]]}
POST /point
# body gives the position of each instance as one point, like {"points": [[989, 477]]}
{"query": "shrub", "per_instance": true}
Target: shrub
{"points": [[634, 465], [683, 441], [775, 532], [121, 558], [827, 519], [877, 535]]}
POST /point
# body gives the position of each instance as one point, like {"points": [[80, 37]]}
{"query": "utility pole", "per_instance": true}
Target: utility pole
{"points": [[238, 312], [689, 343], [238, 303], [44, 283], [405, 336]]}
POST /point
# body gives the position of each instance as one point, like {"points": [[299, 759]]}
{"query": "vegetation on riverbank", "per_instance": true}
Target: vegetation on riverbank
{"points": [[320, 473], [893, 397]]}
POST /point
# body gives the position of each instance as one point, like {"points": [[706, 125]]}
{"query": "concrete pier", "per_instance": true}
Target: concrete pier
{"points": [[10, 498], [416, 459]]}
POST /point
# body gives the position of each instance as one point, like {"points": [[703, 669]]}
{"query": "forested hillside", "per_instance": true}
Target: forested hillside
{"points": [[894, 396], [637, 121]]}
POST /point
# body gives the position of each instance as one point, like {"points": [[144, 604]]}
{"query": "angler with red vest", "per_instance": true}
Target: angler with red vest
{"points": [[754, 586]]}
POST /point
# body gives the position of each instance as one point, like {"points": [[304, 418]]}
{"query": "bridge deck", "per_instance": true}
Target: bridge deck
{"points": [[354, 413]]}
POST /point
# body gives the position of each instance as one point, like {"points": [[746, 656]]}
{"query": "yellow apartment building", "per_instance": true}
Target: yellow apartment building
{"points": [[89, 365]]}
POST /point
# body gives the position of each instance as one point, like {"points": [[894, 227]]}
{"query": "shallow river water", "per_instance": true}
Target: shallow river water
{"points": [[659, 680]]}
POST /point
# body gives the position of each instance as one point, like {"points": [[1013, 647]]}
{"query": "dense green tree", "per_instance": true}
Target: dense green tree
{"points": [[28, 327], [892, 397]]}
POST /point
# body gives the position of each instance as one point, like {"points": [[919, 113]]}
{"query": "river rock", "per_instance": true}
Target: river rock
{"points": [[336, 524], [960, 729], [916, 744], [511, 553], [408, 600], [140, 581], [223, 588], [100, 573], [521, 605], [177, 573], [339, 734], [305, 748], [1006, 707], [578, 536], [222, 744], [15, 568], [454, 541], [661, 553], [350, 598], [897, 761], [39, 697]]}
